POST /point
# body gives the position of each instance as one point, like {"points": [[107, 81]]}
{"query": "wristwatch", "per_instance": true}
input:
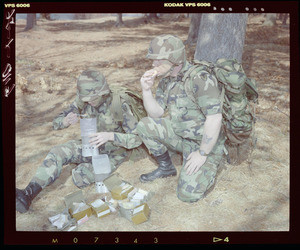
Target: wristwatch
{"points": [[203, 153]]}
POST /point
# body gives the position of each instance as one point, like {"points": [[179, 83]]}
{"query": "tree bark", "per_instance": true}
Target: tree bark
{"points": [[221, 36], [270, 20], [119, 21], [193, 29], [283, 17], [150, 18], [45, 16], [30, 21], [153, 15]]}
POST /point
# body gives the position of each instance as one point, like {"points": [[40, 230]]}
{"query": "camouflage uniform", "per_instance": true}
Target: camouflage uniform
{"points": [[71, 151], [182, 129]]}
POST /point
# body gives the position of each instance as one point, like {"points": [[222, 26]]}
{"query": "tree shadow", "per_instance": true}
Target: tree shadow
{"points": [[77, 25], [264, 38], [34, 114], [266, 208]]}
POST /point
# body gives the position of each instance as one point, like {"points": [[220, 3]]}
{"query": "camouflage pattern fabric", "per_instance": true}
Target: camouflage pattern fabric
{"points": [[238, 118], [188, 117], [237, 92], [58, 156], [182, 130], [192, 188], [158, 136], [168, 47], [71, 152], [83, 175], [91, 84]]}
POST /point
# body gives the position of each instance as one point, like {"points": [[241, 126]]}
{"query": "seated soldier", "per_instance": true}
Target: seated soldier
{"points": [[114, 137]]}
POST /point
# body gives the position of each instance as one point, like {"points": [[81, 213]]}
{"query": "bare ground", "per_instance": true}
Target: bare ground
{"points": [[245, 197]]}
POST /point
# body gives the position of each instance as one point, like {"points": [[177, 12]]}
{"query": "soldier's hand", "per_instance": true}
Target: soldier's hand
{"points": [[70, 119], [147, 79], [194, 162], [100, 138]]}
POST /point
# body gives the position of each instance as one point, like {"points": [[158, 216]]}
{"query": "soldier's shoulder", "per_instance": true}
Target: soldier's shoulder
{"points": [[203, 77]]}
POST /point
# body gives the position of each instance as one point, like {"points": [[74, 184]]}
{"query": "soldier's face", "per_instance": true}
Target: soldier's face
{"points": [[162, 67], [94, 102], [97, 101]]}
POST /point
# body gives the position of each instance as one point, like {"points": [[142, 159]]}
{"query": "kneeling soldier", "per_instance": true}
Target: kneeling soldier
{"points": [[192, 128]]}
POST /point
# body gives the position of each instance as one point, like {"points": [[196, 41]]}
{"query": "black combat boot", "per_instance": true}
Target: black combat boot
{"points": [[25, 196], [165, 169]]}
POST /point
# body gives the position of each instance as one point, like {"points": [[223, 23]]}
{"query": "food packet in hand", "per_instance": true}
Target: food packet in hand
{"points": [[161, 69], [150, 73]]}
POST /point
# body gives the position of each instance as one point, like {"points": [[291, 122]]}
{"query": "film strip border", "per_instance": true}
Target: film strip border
{"points": [[166, 6], [149, 238]]}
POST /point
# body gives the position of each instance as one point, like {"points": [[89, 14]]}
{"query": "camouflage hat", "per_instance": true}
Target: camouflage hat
{"points": [[167, 47], [90, 84]]}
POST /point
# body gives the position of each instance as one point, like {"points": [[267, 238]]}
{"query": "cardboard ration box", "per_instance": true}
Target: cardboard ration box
{"points": [[100, 208], [136, 214], [112, 204], [63, 221], [125, 209], [77, 207], [121, 192], [118, 188], [138, 196], [140, 214]]}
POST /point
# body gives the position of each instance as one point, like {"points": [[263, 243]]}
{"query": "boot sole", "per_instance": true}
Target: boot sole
{"points": [[161, 177], [20, 207]]}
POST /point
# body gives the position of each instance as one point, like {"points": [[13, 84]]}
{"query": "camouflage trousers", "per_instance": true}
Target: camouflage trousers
{"points": [[159, 136], [71, 153]]}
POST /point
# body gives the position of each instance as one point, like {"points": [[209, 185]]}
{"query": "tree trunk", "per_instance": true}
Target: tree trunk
{"points": [[150, 18], [45, 16], [283, 17], [153, 15], [119, 21], [79, 16], [194, 29], [221, 36], [270, 20], [30, 21]]}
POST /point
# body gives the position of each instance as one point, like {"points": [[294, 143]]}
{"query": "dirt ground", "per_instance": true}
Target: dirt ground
{"points": [[245, 198]]}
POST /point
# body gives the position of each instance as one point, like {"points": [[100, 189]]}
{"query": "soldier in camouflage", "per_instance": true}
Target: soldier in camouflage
{"points": [[177, 123], [114, 138]]}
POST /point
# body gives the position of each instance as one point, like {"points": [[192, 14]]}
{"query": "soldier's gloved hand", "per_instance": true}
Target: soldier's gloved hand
{"points": [[70, 119], [100, 138], [194, 162], [147, 79]]}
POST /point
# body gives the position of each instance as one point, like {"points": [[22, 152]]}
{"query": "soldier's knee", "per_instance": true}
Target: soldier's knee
{"points": [[83, 175], [185, 196], [189, 191], [56, 149]]}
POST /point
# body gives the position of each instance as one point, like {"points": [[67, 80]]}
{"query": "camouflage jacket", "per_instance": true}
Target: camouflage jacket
{"points": [[188, 117], [125, 131]]}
